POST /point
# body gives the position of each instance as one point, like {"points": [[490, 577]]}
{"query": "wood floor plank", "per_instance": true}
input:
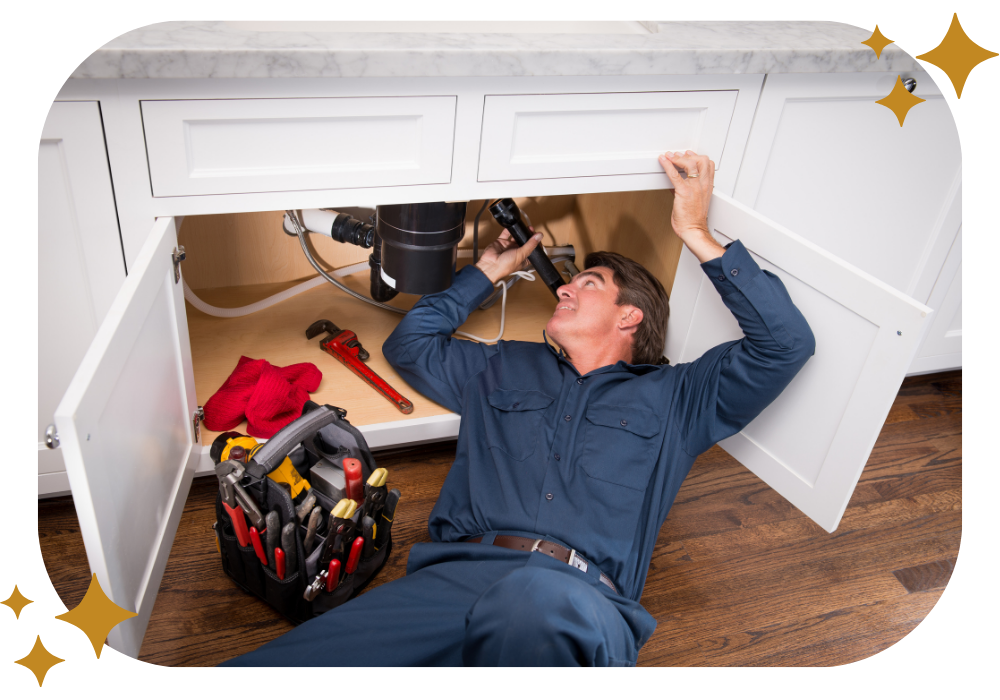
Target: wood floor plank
{"points": [[857, 631], [925, 577]]}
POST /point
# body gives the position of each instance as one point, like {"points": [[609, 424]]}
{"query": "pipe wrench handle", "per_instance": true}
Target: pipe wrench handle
{"points": [[337, 347]]}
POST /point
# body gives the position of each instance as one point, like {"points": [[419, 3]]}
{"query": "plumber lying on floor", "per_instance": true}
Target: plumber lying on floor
{"points": [[567, 462]]}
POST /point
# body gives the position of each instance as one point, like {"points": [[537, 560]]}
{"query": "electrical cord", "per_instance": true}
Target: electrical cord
{"points": [[519, 274]]}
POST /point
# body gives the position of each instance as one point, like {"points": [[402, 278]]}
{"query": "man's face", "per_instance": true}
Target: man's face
{"points": [[586, 311]]}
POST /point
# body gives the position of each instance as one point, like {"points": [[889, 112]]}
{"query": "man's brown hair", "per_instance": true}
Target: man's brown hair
{"points": [[637, 287]]}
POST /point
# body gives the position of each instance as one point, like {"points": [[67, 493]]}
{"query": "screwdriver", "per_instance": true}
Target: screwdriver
{"points": [[352, 559], [333, 576], [314, 519], [288, 545], [273, 533], [279, 563], [257, 546], [352, 479]]}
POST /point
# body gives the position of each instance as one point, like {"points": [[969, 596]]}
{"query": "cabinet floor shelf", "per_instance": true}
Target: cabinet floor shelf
{"points": [[277, 334]]}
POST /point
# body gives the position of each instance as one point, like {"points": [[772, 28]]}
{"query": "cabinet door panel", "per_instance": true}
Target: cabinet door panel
{"points": [[812, 443], [201, 147], [126, 432], [80, 263], [528, 137], [828, 162]]}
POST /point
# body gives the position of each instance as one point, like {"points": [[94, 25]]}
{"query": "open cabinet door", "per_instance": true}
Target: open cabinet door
{"points": [[812, 443], [125, 424]]}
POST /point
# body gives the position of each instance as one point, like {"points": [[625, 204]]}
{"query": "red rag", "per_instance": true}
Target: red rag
{"points": [[279, 397], [268, 397], [227, 407]]}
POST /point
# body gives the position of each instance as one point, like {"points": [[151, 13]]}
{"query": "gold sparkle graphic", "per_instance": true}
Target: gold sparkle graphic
{"points": [[877, 42], [899, 100], [16, 602], [957, 55], [96, 615], [39, 661]]}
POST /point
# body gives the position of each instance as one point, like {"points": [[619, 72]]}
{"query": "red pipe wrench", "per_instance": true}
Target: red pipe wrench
{"points": [[345, 346]]}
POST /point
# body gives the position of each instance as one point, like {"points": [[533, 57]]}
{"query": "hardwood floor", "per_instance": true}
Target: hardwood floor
{"points": [[739, 577]]}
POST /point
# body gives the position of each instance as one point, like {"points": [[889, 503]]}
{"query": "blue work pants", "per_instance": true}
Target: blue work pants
{"points": [[518, 610]]}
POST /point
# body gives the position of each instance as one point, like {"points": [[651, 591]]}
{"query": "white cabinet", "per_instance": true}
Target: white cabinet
{"points": [[81, 266], [200, 147], [528, 137], [828, 162]]}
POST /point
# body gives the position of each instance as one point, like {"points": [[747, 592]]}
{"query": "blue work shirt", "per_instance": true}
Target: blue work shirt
{"points": [[592, 461]]}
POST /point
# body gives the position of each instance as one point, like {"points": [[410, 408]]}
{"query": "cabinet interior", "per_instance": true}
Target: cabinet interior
{"points": [[238, 259]]}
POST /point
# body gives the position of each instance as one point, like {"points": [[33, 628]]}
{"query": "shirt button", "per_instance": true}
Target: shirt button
{"points": [[557, 456], [734, 272], [722, 278], [580, 380], [624, 422], [548, 497], [567, 418], [516, 405]]}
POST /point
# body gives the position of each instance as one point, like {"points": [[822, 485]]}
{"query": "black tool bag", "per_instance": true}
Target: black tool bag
{"points": [[321, 432]]}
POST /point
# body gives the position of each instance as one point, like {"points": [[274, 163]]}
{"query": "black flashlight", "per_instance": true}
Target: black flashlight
{"points": [[509, 216]]}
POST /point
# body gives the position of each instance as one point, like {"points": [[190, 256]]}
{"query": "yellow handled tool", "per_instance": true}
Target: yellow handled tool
{"points": [[284, 474], [378, 477]]}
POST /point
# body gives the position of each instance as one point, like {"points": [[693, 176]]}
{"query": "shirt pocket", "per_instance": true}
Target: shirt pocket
{"points": [[517, 421], [620, 445]]}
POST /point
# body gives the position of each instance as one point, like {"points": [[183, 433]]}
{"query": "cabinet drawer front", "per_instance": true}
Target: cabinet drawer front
{"points": [[199, 147], [528, 137]]}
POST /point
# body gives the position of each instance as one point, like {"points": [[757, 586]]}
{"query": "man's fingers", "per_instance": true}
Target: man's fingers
{"points": [[690, 163], [670, 170]]}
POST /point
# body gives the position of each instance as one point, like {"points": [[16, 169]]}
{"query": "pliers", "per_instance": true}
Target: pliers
{"points": [[237, 501]]}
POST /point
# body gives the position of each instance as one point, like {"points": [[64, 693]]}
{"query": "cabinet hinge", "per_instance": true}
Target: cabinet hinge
{"points": [[178, 256], [196, 419]]}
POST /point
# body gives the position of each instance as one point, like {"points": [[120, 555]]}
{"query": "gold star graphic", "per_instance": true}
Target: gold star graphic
{"points": [[899, 100], [877, 42], [16, 602], [957, 55], [96, 615], [39, 661]]}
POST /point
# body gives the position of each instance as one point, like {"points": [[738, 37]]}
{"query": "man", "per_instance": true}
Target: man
{"points": [[567, 460]]}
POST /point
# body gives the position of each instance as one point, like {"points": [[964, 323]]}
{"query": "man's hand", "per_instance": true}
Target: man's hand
{"points": [[504, 256], [692, 197]]}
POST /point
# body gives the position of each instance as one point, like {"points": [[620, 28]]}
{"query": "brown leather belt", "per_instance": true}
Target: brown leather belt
{"points": [[552, 549]]}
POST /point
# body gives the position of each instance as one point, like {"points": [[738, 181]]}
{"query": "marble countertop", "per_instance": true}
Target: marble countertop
{"points": [[466, 49]]}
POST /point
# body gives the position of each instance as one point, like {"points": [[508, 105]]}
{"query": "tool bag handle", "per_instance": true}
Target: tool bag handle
{"points": [[273, 453]]}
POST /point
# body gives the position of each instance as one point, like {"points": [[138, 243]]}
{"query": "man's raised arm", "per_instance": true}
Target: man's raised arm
{"points": [[421, 348], [726, 388]]}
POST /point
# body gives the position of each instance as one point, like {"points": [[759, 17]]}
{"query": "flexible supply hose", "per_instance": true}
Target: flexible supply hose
{"points": [[271, 300]]}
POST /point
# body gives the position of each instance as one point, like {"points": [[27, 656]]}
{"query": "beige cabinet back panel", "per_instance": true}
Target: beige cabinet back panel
{"points": [[237, 250]]}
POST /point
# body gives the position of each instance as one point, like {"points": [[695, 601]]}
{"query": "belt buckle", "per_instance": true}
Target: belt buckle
{"points": [[534, 547], [576, 561]]}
